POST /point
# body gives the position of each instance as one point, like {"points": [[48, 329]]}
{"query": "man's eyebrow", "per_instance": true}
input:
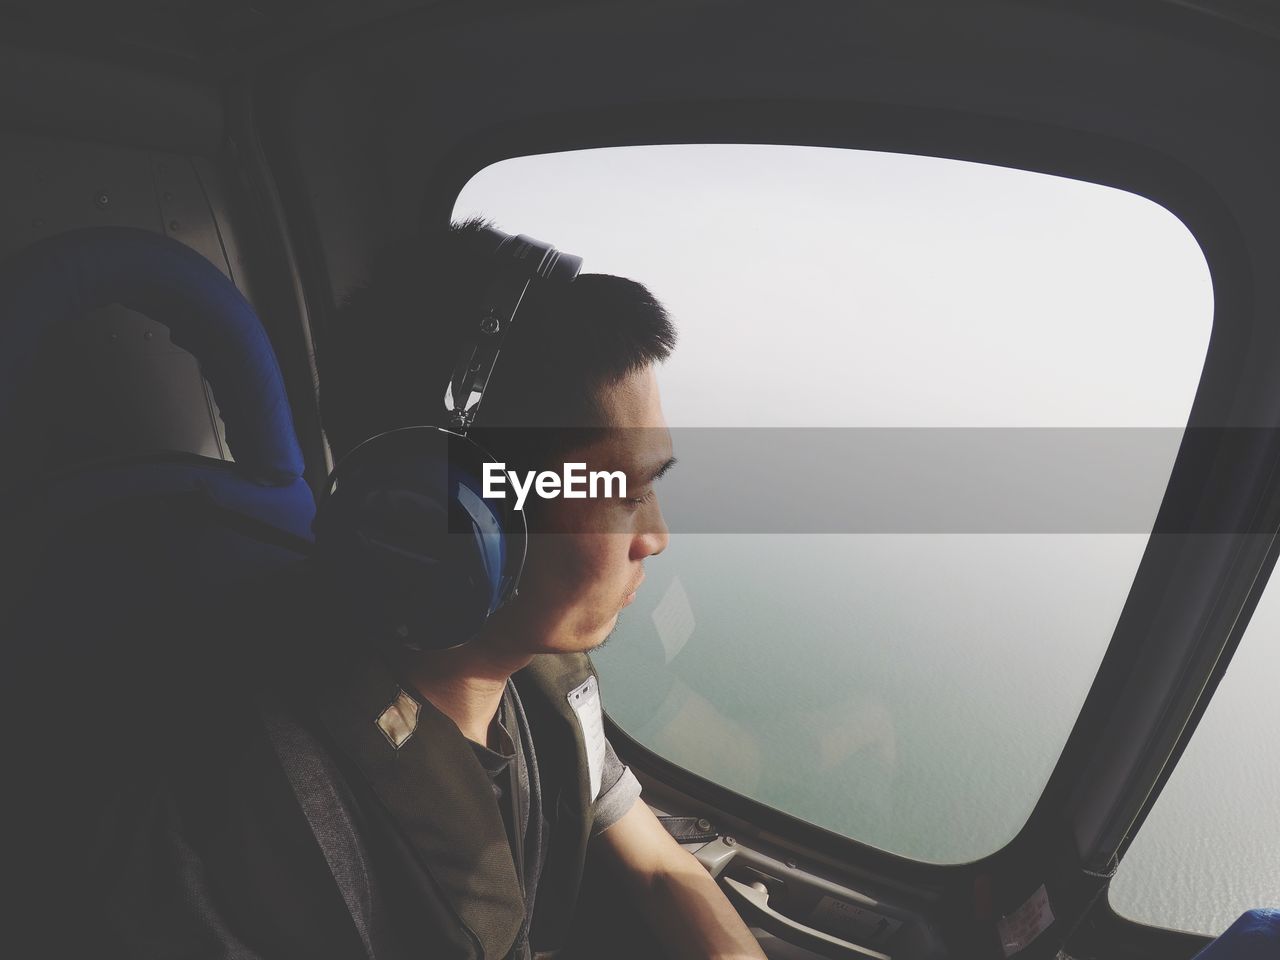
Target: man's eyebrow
{"points": [[657, 474]]}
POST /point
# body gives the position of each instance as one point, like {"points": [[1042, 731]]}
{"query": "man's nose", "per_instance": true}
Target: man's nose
{"points": [[654, 535]]}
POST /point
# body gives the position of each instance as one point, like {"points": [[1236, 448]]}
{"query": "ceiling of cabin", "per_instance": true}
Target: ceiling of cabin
{"points": [[221, 37]]}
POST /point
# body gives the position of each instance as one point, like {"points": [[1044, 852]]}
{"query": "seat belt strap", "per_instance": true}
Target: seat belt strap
{"points": [[302, 759]]}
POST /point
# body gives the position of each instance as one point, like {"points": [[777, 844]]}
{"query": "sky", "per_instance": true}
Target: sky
{"points": [[834, 287]]}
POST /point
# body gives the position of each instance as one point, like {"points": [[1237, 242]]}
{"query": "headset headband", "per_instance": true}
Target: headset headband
{"points": [[521, 259]]}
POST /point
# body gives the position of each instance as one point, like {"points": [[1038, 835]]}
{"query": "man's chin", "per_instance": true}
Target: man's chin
{"points": [[606, 637], [585, 642]]}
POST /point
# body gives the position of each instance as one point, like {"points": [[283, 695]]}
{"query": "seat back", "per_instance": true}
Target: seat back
{"points": [[92, 547]]}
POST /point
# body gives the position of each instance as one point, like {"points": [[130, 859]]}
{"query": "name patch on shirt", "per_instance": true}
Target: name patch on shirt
{"points": [[400, 718], [585, 701]]}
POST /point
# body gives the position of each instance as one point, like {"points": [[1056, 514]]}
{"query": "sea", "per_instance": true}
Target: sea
{"points": [[914, 692]]}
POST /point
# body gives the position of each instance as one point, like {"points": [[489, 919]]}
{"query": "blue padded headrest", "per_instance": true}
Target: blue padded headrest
{"points": [[57, 279], [1254, 936], [74, 497]]}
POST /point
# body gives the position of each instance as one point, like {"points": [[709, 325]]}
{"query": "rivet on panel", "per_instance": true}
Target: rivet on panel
{"points": [[173, 224], [147, 335], [102, 200], [167, 197]]}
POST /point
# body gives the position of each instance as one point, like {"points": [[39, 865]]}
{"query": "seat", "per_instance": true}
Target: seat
{"points": [[96, 550], [114, 534], [1254, 936]]}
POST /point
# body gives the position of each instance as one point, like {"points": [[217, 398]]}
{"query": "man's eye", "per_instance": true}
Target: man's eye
{"points": [[637, 501]]}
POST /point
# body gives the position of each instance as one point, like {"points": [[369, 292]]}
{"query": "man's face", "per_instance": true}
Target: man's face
{"points": [[578, 577]]}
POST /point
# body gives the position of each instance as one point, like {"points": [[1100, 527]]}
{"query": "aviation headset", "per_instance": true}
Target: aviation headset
{"points": [[419, 554]]}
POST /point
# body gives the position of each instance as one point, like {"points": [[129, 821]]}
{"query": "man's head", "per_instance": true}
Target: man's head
{"points": [[579, 355]]}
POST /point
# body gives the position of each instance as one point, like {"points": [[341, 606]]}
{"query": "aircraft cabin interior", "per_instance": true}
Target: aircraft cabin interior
{"points": [[960, 648]]}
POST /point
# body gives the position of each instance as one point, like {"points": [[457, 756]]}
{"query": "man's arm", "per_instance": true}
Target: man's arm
{"points": [[681, 902]]}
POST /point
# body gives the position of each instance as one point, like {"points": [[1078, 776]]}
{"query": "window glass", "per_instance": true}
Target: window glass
{"points": [[1207, 851], [911, 683]]}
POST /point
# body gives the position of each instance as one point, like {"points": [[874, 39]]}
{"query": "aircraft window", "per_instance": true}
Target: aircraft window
{"points": [[1207, 850], [908, 675]]}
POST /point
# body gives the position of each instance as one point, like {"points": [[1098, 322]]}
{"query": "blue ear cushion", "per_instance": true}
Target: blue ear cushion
{"points": [[418, 554], [71, 273]]}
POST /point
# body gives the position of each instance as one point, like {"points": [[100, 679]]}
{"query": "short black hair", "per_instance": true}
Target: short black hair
{"points": [[386, 357]]}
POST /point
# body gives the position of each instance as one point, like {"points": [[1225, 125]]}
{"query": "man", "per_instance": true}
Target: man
{"points": [[578, 355], [331, 795]]}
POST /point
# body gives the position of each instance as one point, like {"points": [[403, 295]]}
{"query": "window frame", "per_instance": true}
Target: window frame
{"points": [[1032, 147]]}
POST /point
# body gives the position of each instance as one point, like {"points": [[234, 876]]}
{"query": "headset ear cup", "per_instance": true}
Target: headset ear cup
{"points": [[411, 545]]}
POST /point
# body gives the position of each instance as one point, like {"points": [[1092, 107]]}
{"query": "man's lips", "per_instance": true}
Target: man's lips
{"points": [[632, 595]]}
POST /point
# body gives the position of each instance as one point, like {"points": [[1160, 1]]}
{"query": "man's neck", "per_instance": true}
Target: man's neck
{"points": [[465, 684]]}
